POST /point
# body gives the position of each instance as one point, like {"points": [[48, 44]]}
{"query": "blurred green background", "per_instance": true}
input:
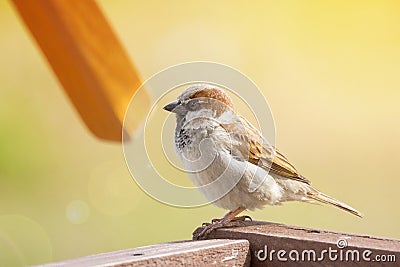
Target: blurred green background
{"points": [[329, 69]]}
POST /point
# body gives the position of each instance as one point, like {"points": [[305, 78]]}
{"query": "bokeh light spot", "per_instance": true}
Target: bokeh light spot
{"points": [[77, 212]]}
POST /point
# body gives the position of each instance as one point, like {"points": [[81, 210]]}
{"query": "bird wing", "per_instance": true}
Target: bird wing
{"points": [[249, 144]]}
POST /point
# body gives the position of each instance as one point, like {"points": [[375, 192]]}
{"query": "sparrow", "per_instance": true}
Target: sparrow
{"points": [[230, 161]]}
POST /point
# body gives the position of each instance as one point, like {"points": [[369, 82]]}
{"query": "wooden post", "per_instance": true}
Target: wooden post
{"points": [[88, 60], [274, 244]]}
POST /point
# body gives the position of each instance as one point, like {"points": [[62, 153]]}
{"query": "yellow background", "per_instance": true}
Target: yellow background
{"points": [[329, 69]]}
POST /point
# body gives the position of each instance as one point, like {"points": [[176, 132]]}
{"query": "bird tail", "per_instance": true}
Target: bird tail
{"points": [[321, 197]]}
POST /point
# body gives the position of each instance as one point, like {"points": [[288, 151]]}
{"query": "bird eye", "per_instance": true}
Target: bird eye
{"points": [[193, 105]]}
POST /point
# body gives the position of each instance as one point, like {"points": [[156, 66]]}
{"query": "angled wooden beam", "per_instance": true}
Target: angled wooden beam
{"points": [[184, 253], [273, 244], [88, 59]]}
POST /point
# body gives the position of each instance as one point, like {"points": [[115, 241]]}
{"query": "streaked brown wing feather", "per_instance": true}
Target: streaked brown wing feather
{"points": [[283, 167], [254, 147]]}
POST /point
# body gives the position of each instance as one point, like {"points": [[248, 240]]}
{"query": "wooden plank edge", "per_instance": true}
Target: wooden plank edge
{"points": [[182, 253]]}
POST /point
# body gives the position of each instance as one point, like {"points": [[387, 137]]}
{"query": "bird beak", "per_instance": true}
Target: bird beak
{"points": [[171, 106]]}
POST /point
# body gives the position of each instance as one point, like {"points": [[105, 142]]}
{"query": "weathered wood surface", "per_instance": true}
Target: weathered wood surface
{"points": [[184, 253], [265, 237], [257, 244]]}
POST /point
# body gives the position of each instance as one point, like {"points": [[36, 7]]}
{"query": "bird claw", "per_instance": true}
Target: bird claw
{"points": [[212, 222], [215, 220], [219, 223], [239, 218], [207, 229], [243, 218]]}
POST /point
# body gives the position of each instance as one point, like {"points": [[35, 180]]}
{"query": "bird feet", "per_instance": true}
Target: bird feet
{"points": [[219, 223], [238, 219]]}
